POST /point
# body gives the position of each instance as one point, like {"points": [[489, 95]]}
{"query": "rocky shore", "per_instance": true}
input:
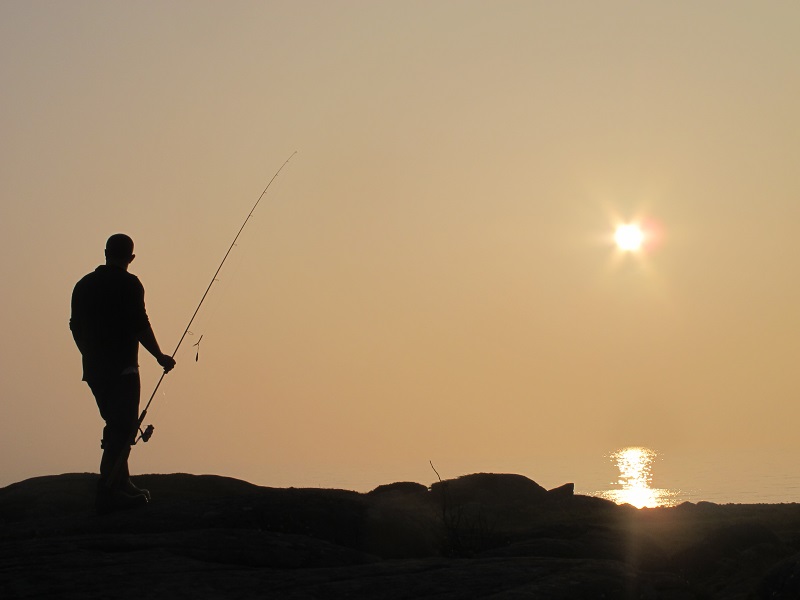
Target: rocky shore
{"points": [[478, 536]]}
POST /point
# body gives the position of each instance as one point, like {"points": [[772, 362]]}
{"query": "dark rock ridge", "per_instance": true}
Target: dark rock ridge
{"points": [[483, 535]]}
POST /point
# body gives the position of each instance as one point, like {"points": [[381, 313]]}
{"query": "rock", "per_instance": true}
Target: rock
{"points": [[489, 489], [782, 581], [401, 487], [564, 491], [211, 537]]}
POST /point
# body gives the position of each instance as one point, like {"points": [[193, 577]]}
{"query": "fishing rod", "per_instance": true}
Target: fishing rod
{"points": [[148, 432]]}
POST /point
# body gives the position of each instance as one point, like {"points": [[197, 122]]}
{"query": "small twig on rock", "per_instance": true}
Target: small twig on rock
{"points": [[435, 471]]}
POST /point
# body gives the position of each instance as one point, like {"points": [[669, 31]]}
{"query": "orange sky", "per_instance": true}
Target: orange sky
{"points": [[432, 277]]}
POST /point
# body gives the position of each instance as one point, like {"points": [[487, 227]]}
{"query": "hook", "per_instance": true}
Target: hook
{"points": [[197, 355]]}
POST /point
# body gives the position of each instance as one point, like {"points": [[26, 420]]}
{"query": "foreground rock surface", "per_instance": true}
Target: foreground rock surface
{"points": [[478, 536]]}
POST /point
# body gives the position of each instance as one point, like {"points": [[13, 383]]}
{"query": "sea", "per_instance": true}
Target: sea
{"points": [[637, 475], [721, 479]]}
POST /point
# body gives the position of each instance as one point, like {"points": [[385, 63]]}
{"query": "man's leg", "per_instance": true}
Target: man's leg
{"points": [[118, 401]]}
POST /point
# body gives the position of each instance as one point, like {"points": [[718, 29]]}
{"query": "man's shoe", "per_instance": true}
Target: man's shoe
{"points": [[129, 488]]}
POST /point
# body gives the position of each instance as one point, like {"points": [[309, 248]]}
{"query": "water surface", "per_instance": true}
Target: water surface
{"points": [[723, 477]]}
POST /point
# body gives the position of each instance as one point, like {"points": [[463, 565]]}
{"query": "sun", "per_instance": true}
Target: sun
{"points": [[629, 238]]}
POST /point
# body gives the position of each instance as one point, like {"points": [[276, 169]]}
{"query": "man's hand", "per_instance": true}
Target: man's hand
{"points": [[166, 361]]}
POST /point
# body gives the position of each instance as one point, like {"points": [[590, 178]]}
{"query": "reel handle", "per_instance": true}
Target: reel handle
{"points": [[146, 434]]}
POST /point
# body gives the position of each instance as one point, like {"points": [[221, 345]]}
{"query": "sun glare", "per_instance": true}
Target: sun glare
{"points": [[629, 238], [635, 476]]}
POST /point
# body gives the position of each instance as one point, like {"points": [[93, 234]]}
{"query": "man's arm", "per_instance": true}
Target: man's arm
{"points": [[148, 339], [146, 336], [76, 319], [77, 337]]}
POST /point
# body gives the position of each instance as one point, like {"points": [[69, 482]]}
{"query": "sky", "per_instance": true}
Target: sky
{"points": [[433, 277]]}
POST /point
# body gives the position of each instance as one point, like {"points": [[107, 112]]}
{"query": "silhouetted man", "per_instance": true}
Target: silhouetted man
{"points": [[108, 323]]}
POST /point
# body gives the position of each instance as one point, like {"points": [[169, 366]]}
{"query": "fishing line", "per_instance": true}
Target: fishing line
{"points": [[145, 435], [222, 291]]}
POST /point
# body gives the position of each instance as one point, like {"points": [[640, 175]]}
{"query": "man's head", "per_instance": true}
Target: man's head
{"points": [[119, 250]]}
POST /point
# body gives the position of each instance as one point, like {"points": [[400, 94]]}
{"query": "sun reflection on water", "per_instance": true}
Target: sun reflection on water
{"points": [[635, 466]]}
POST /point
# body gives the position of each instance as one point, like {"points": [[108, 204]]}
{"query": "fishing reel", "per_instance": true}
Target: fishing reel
{"points": [[146, 434]]}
